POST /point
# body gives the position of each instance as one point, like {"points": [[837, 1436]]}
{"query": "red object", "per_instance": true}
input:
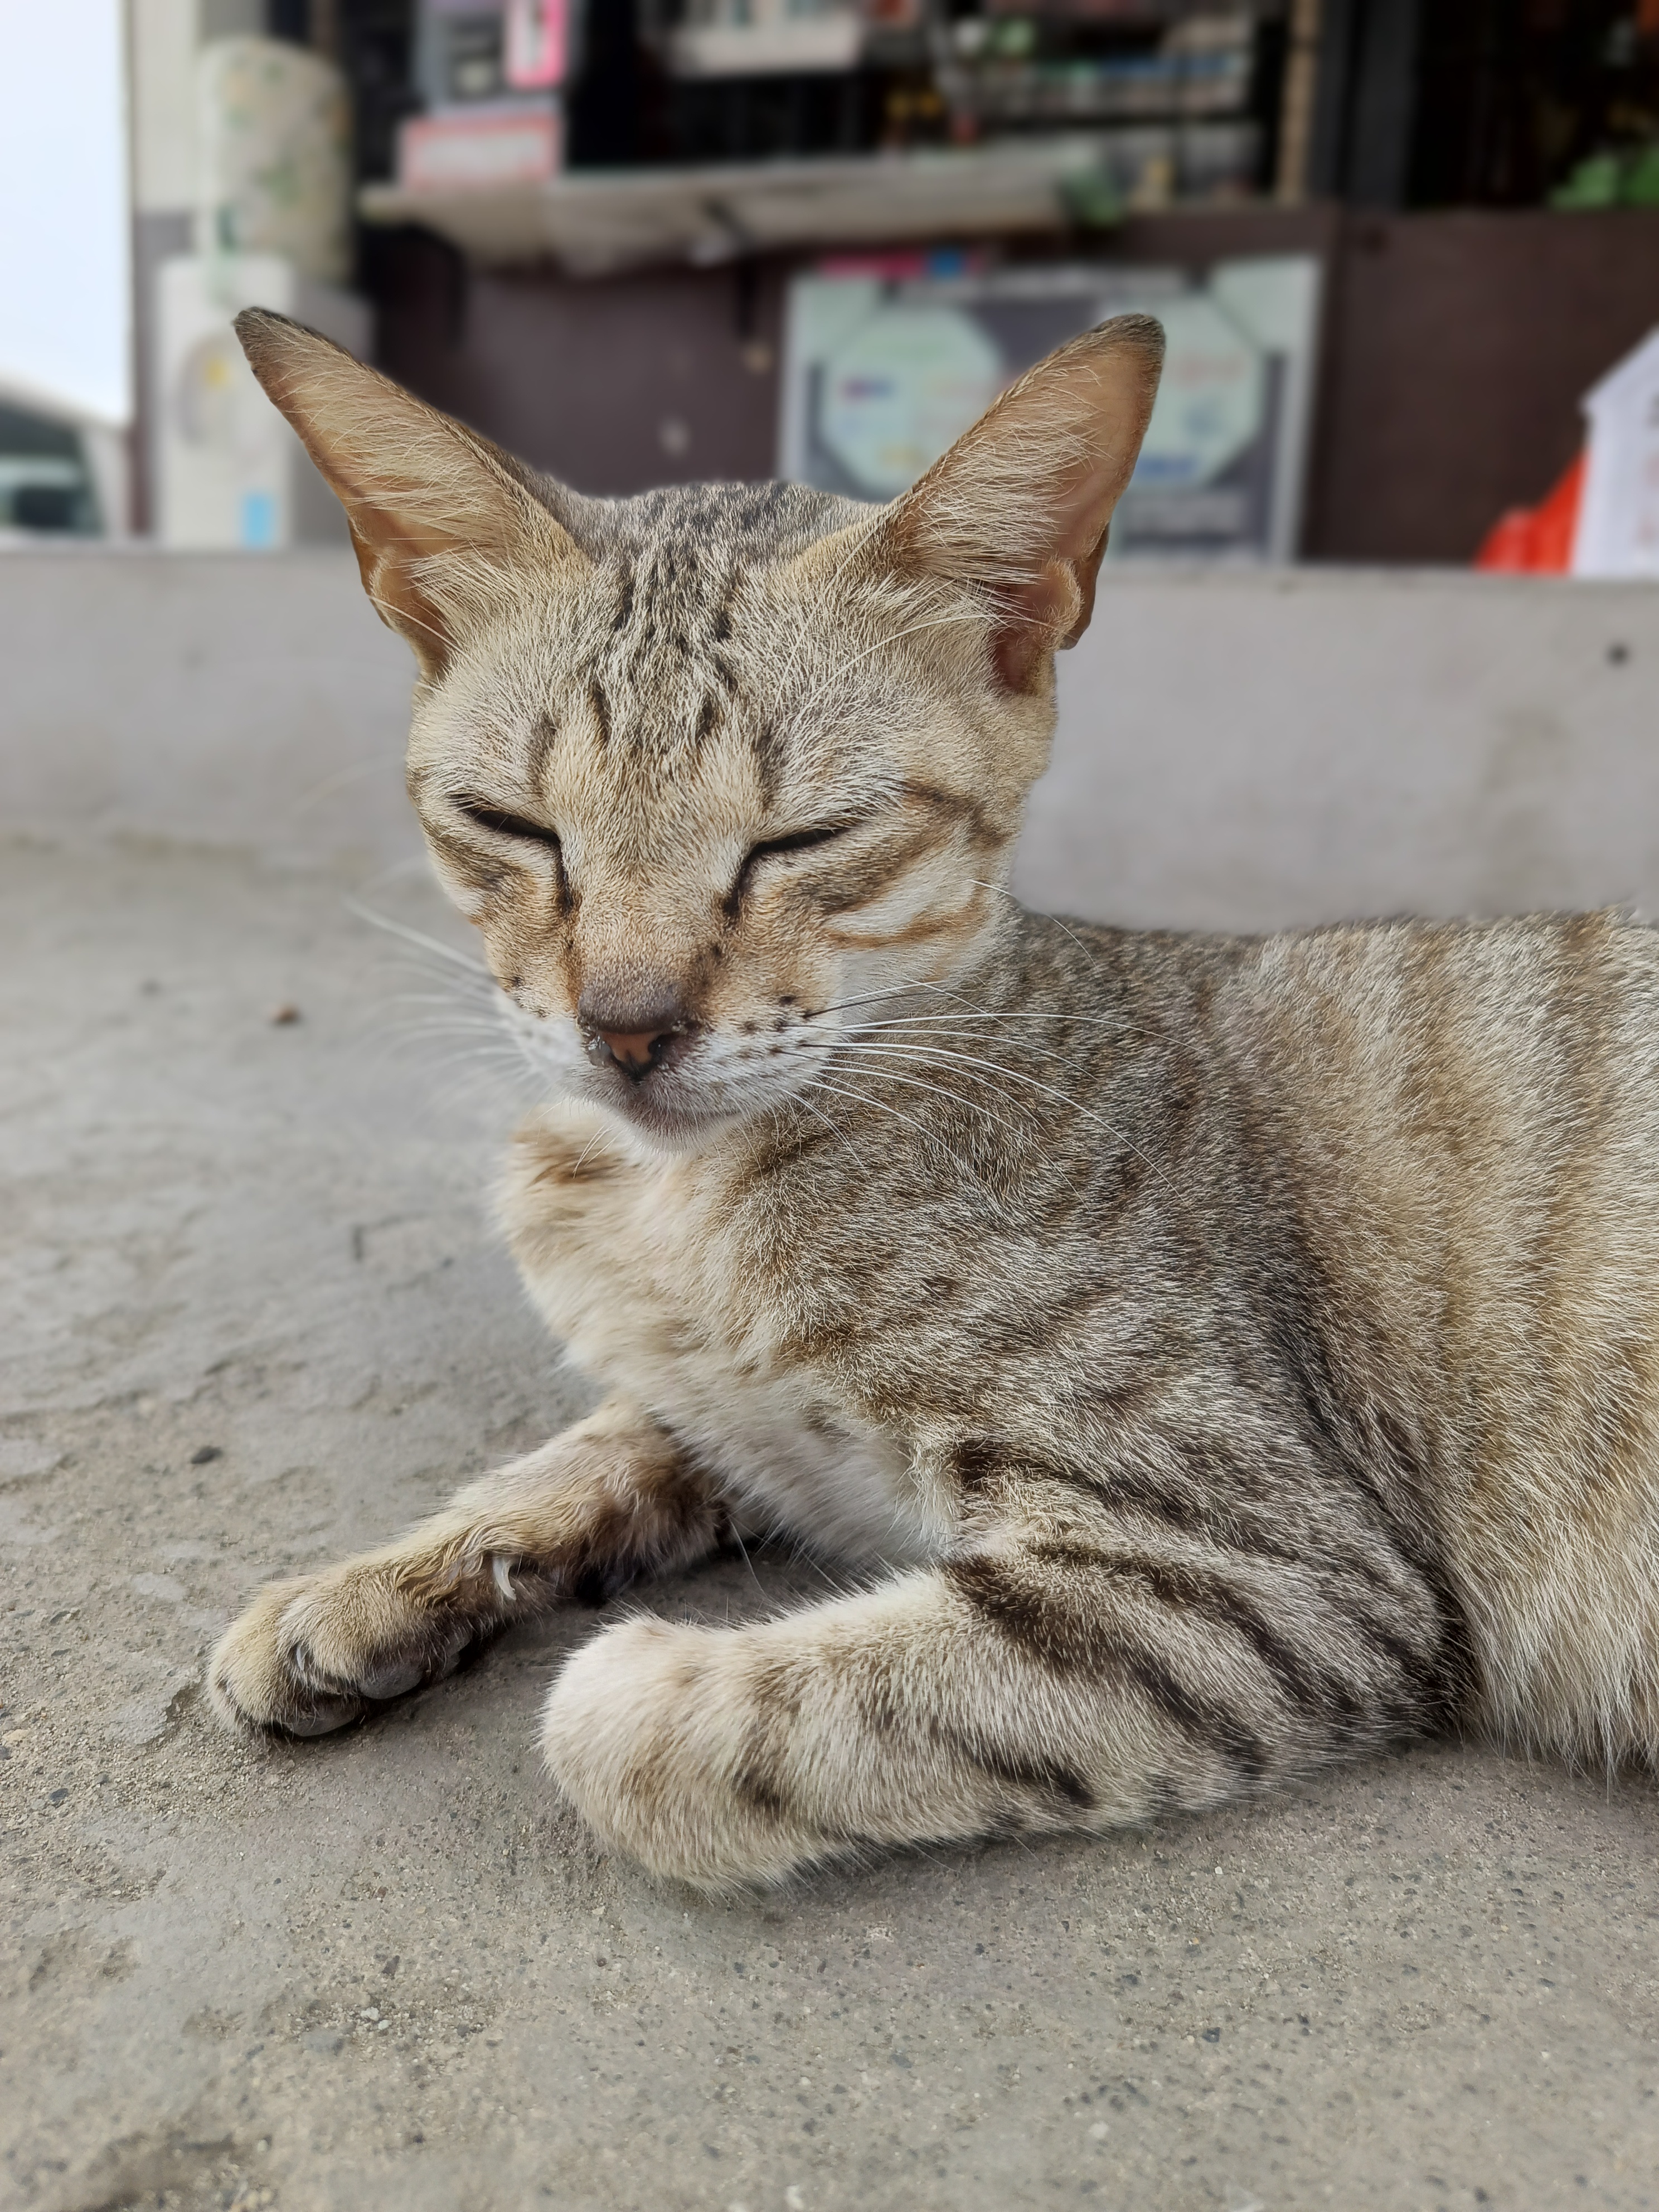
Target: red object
{"points": [[1537, 540]]}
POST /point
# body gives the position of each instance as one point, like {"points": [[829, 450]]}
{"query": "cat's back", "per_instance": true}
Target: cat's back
{"points": [[1454, 1129], [1500, 1079], [1422, 1162], [1500, 1057], [1465, 1125]]}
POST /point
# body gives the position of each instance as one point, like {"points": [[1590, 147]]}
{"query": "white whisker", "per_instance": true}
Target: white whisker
{"points": [[939, 1091], [942, 1056], [467, 960], [802, 1099], [859, 1098], [971, 1020]]}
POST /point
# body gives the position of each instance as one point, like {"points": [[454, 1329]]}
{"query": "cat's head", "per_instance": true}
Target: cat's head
{"points": [[715, 768]]}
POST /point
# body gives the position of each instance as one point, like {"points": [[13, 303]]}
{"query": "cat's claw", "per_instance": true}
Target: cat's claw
{"points": [[311, 1656], [324, 1718]]}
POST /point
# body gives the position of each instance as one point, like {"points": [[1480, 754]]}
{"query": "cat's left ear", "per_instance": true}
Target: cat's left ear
{"points": [[1022, 502], [443, 522]]}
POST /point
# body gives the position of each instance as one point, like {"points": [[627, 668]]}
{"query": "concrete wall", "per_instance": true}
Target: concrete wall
{"points": [[1238, 750], [1249, 751], [224, 699]]}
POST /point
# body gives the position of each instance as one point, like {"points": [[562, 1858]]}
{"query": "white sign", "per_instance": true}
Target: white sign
{"points": [[886, 365], [1618, 532]]}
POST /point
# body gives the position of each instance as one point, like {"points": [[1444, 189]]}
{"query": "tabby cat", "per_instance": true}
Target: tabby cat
{"points": [[1212, 1356]]}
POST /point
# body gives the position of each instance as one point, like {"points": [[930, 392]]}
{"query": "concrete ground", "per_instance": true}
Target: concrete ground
{"points": [[255, 1317]]}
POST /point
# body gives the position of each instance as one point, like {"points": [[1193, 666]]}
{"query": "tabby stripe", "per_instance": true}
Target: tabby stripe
{"points": [[755, 1782], [1044, 1777], [720, 621], [983, 1464], [625, 613], [759, 1779], [1195, 1591], [601, 706], [1063, 1641]]}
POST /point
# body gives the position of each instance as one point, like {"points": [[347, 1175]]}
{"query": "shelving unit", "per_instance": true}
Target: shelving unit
{"points": [[592, 222], [736, 130]]}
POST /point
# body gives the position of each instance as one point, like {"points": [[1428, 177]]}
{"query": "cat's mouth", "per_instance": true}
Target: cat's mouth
{"points": [[675, 1085], [666, 1099]]}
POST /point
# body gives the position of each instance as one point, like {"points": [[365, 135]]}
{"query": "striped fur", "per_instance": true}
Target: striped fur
{"points": [[1216, 1357]]}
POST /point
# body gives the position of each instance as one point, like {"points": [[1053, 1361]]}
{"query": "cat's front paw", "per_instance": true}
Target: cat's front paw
{"points": [[666, 1739], [309, 1655]]}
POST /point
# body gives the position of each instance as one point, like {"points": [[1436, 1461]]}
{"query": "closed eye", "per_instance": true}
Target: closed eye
{"points": [[507, 825], [796, 840]]}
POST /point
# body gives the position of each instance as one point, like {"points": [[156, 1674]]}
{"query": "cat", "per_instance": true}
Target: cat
{"points": [[1210, 1358]]}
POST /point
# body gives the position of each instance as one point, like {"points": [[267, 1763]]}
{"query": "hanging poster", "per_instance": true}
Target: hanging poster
{"points": [[886, 362]]}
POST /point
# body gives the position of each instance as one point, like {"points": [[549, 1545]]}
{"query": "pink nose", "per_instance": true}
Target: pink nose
{"points": [[631, 1028], [634, 1049]]}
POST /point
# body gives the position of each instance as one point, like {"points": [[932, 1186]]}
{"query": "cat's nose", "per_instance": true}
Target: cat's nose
{"points": [[633, 1035], [634, 1050]]}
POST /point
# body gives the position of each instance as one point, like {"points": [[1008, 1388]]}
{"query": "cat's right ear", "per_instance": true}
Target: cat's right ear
{"points": [[442, 520], [1020, 506]]}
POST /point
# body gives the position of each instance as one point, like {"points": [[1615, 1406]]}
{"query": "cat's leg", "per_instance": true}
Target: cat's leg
{"points": [[1039, 1684], [611, 1498]]}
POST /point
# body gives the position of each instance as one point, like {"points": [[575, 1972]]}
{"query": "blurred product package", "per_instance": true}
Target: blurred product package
{"points": [[888, 359], [480, 149], [998, 69], [274, 156], [1601, 517], [491, 73], [1618, 532], [1180, 94], [230, 472], [273, 229], [765, 38]]}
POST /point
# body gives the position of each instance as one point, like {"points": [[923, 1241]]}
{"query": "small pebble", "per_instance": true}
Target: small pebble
{"points": [[205, 1453], [282, 1017]]}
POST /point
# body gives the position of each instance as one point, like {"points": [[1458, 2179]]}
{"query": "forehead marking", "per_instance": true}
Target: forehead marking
{"points": [[601, 707], [625, 613], [542, 738], [661, 681]]}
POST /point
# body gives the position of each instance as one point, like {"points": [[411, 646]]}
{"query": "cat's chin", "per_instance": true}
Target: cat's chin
{"points": [[666, 1122]]}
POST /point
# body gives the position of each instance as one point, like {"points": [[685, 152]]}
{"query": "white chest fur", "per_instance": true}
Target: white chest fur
{"points": [[627, 1264]]}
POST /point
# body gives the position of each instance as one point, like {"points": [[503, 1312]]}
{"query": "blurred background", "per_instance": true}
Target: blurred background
{"points": [[1379, 632], [1407, 254], [1396, 243]]}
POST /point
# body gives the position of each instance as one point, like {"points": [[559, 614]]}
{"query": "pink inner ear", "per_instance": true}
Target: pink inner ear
{"points": [[1081, 516], [1050, 601], [1046, 610]]}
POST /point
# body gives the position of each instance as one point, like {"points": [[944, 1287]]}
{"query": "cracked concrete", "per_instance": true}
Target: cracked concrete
{"points": [[254, 1317]]}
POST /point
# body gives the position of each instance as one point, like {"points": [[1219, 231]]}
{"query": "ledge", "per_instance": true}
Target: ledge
{"points": [[597, 220]]}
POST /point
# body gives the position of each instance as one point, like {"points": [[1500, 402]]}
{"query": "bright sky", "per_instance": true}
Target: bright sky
{"points": [[65, 236]]}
